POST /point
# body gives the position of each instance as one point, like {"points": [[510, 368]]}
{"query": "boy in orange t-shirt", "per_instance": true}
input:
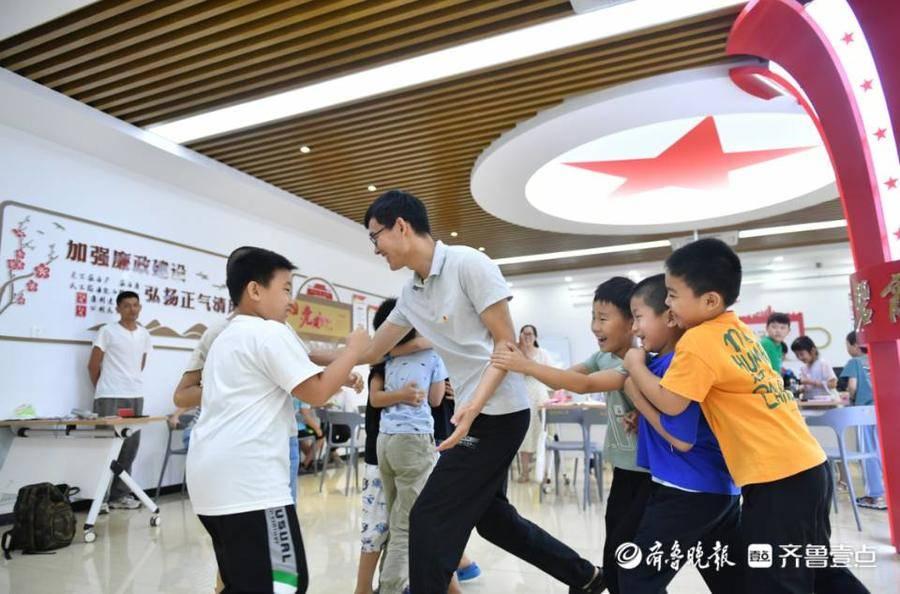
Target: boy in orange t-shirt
{"points": [[771, 454]]}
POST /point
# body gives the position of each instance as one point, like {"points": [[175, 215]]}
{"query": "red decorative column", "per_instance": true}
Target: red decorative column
{"points": [[785, 32]]}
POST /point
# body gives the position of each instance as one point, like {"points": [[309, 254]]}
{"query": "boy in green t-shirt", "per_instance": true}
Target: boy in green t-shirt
{"points": [[778, 326], [611, 323]]}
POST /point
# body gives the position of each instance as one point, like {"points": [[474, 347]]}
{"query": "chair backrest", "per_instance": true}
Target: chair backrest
{"points": [[560, 417], [595, 416], [841, 419], [352, 419]]}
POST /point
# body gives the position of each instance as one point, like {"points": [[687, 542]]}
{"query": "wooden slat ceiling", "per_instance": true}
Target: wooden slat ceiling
{"points": [[151, 61]]}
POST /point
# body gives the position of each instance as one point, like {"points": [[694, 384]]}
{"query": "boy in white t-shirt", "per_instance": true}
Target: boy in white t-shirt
{"points": [[237, 468], [116, 367]]}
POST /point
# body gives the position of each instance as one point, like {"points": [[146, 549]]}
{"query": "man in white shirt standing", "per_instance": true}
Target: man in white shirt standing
{"points": [[116, 369], [457, 299]]}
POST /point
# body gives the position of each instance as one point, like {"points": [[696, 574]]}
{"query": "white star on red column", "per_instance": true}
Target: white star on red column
{"points": [[891, 183], [881, 133], [847, 38], [867, 85]]}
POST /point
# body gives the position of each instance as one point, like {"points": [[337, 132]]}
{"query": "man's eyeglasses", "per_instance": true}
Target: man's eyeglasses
{"points": [[373, 237]]}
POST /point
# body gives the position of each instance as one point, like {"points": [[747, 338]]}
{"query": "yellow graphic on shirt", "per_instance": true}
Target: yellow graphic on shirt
{"points": [[749, 355]]}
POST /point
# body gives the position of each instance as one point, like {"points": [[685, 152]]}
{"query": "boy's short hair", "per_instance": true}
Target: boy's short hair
{"points": [[803, 343], [253, 265], [616, 291], [382, 313], [126, 295], [779, 318], [234, 255], [652, 290], [853, 340], [708, 265], [396, 204]]}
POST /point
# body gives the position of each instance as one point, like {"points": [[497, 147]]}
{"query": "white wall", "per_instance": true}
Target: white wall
{"points": [[563, 309], [53, 167]]}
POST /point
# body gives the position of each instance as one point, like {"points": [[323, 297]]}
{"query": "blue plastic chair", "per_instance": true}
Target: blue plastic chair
{"points": [[841, 419], [354, 445], [590, 451]]}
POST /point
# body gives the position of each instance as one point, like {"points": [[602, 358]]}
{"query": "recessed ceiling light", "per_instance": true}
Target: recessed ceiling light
{"points": [[510, 285], [791, 229], [568, 279], [779, 259], [481, 249], [441, 64], [372, 188], [305, 149], [454, 234]]}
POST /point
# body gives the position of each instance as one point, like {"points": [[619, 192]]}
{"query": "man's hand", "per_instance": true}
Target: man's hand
{"points": [[463, 419], [355, 381], [635, 358], [511, 359]]}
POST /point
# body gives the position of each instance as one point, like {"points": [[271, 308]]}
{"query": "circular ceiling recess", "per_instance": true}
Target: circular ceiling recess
{"points": [[672, 153]]}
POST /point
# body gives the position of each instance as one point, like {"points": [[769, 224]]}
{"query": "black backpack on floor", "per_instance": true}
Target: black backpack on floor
{"points": [[44, 519]]}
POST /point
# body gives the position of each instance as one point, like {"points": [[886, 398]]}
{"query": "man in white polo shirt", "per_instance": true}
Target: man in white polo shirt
{"points": [[116, 369], [457, 299]]}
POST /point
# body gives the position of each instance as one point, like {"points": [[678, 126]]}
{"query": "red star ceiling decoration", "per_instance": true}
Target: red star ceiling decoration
{"points": [[694, 161]]}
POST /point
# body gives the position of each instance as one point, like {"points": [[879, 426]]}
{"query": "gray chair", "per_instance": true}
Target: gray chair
{"points": [[841, 419], [184, 422], [589, 450], [354, 445]]}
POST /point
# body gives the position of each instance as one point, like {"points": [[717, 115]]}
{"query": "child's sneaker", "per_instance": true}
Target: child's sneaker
{"points": [[871, 502], [469, 572], [126, 502]]}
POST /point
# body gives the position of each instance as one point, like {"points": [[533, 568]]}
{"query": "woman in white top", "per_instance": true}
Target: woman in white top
{"points": [[538, 393]]}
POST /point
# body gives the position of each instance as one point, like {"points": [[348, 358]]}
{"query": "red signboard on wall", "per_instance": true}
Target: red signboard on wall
{"points": [[875, 292]]}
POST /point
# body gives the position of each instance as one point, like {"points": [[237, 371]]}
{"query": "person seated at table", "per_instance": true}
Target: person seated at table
{"points": [[116, 369], [817, 378], [308, 426], [778, 326], [859, 385], [611, 324]]}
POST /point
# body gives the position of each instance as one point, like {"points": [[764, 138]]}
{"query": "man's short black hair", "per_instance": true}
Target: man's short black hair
{"points": [[803, 343], [396, 204], [126, 295], [853, 340], [616, 291], [253, 264], [382, 313], [653, 291], [708, 265], [779, 318]]}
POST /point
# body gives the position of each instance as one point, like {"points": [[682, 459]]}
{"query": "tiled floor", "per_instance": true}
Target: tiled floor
{"points": [[131, 557]]}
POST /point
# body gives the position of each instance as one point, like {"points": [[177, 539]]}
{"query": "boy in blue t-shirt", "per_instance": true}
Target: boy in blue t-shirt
{"points": [[859, 385], [694, 502], [405, 447]]}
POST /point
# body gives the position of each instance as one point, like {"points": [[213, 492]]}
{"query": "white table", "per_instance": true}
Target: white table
{"points": [[78, 452]]}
